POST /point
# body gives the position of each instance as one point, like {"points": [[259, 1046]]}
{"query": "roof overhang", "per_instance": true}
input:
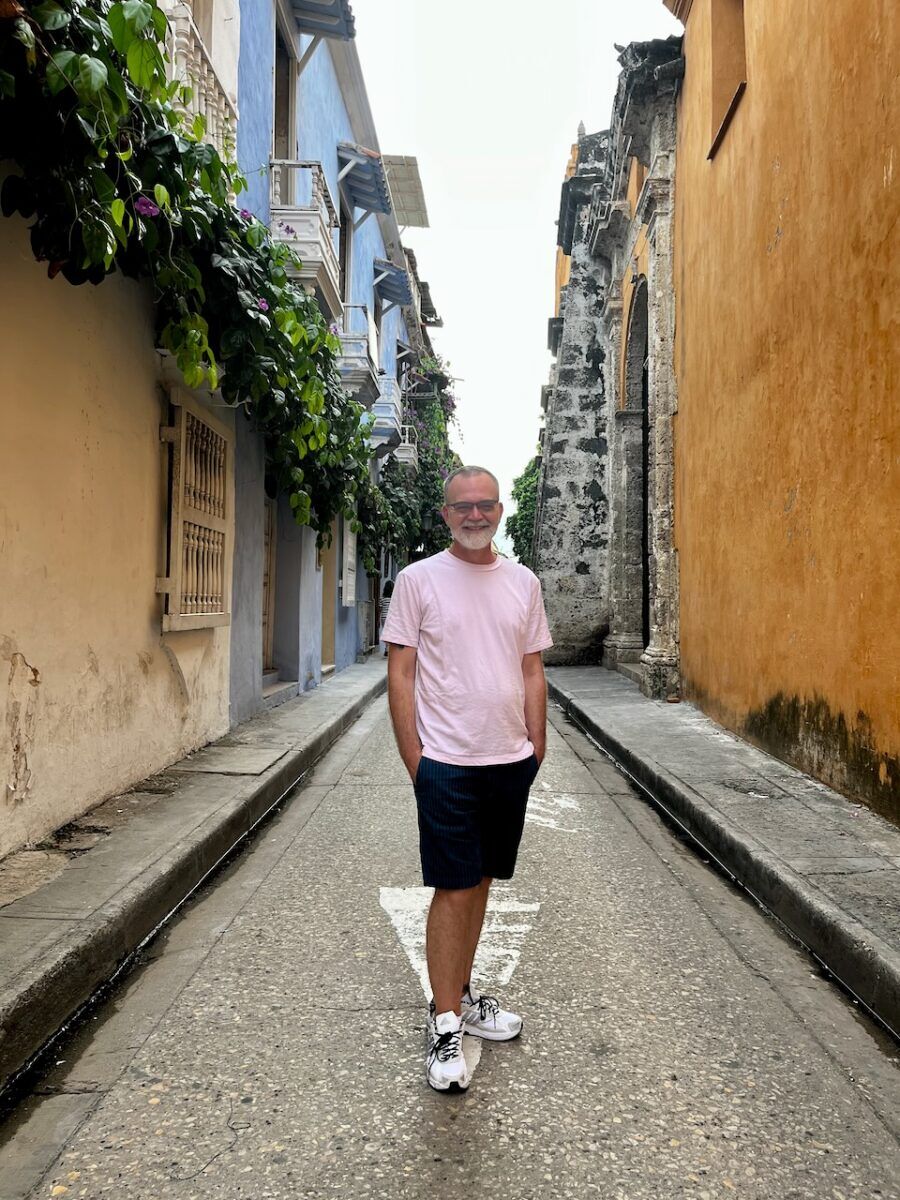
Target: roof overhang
{"points": [[363, 179], [392, 282], [325, 18], [405, 186]]}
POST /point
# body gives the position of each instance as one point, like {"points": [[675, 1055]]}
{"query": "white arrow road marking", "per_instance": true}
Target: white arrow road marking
{"points": [[548, 810], [505, 928]]}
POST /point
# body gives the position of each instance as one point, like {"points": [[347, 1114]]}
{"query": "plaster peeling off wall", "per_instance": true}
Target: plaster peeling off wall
{"points": [[21, 695]]}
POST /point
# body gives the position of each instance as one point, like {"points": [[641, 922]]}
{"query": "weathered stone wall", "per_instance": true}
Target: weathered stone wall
{"points": [[572, 529]]}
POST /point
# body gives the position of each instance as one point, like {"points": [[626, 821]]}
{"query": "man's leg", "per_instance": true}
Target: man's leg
{"points": [[476, 922], [448, 937]]}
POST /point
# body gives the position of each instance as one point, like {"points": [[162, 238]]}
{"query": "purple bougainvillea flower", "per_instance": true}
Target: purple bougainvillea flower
{"points": [[263, 305], [145, 207], [246, 214], [333, 328]]}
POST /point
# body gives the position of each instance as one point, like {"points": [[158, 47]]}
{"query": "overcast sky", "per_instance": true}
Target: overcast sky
{"points": [[487, 94]]}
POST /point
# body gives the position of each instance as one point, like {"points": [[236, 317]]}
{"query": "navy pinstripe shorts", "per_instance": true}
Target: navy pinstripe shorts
{"points": [[471, 820]]}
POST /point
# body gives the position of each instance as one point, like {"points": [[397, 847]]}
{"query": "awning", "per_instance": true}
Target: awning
{"points": [[406, 190], [429, 313], [325, 18], [363, 179], [392, 283]]}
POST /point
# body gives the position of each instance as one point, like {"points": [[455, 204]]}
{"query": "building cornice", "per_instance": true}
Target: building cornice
{"points": [[680, 8]]}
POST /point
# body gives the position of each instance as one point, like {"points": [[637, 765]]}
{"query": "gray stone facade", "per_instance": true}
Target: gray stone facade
{"points": [[604, 532]]}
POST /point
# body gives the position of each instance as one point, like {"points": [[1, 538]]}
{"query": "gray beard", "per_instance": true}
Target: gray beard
{"points": [[474, 539]]}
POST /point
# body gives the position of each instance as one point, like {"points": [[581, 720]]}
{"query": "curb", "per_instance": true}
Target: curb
{"points": [[864, 963], [38, 1006]]}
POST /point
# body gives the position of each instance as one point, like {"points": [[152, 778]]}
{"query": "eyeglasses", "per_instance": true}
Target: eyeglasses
{"points": [[465, 508]]}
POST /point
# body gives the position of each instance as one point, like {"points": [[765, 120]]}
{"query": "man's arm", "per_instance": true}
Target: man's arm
{"points": [[535, 702], [402, 701]]}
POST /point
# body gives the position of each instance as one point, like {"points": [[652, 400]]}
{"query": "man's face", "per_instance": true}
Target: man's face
{"points": [[473, 526]]}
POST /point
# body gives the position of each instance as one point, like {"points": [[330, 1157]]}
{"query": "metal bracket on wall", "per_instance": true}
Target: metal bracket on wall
{"points": [[308, 53]]}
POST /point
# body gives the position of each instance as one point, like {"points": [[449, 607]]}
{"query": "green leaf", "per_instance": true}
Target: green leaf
{"points": [[50, 15], [143, 61], [138, 14], [99, 240], [160, 24], [92, 74], [161, 195], [117, 211], [122, 33], [104, 188], [23, 33], [7, 84]]}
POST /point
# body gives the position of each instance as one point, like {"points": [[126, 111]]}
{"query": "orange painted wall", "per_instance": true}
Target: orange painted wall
{"points": [[787, 434]]}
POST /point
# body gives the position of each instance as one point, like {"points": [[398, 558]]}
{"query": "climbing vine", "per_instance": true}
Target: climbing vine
{"points": [[114, 178], [402, 513], [520, 526]]}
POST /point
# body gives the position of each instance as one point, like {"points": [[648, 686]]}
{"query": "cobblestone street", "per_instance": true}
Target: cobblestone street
{"points": [[270, 1043]]}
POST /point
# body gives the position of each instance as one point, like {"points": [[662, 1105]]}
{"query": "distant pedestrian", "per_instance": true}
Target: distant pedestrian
{"points": [[468, 701], [386, 594]]}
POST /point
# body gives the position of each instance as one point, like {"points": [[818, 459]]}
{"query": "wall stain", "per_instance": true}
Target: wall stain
{"points": [[810, 735], [22, 696]]}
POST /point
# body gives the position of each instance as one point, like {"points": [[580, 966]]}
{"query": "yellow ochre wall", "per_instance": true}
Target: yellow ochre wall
{"points": [[787, 481], [90, 701]]}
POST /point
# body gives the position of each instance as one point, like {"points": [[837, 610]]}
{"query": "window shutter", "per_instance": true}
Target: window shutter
{"points": [[348, 567], [197, 586]]}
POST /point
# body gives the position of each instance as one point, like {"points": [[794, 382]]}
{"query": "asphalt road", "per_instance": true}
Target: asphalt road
{"points": [[676, 1043]]}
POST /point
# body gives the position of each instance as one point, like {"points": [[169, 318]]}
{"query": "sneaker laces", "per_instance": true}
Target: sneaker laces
{"points": [[488, 1006], [447, 1046]]}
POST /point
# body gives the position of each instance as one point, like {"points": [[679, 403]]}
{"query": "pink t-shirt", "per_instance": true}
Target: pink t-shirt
{"points": [[470, 625]]}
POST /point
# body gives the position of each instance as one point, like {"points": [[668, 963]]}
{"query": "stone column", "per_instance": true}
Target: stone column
{"points": [[626, 640], [661, 657]]}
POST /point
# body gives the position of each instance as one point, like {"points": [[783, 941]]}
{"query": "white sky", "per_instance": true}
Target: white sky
{"points": [[488, 95]]}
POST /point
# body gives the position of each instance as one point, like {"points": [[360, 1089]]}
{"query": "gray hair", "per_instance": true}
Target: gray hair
{"points": [[464, 472]]}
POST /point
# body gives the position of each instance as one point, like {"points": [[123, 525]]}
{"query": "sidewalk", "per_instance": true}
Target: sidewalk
{"points": [[827, 868], [152, 847]]}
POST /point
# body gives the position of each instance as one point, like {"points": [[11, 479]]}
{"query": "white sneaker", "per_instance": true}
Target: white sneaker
{"points": [[483, 1017], [445, 1066]]}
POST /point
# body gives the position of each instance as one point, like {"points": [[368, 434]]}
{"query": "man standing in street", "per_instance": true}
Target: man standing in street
{"points": [[468, 701]]}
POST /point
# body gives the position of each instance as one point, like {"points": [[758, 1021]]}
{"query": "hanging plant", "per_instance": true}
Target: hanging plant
{"points": [[114, 179]]}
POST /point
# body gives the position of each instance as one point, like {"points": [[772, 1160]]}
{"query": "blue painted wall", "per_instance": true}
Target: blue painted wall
{"points": [[256, 103], [322, 122]]}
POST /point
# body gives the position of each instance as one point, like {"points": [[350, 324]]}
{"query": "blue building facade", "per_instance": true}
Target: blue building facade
{"points": [[308, 148]]}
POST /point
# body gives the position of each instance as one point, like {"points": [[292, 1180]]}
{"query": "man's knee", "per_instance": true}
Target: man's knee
{"points": [[456, 897]]}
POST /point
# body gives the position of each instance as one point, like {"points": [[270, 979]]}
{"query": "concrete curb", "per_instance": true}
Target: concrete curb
{"points": [[862, 961], [41, 1001]]}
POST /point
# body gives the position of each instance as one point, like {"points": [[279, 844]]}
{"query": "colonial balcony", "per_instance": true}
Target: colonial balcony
{"points": [[357, 362], [304, 216], [193, 66], [387, 411], [408, 450]]}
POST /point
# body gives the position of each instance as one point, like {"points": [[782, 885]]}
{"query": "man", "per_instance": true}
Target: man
{"points": [[468, 701]]}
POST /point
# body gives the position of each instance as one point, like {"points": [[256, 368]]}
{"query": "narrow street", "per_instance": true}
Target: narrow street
{"points": [[676, 1044]]}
